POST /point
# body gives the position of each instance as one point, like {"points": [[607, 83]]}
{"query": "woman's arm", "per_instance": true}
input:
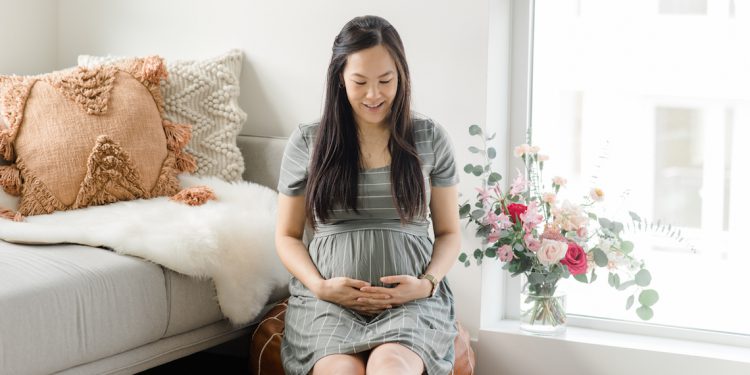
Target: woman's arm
{"points": [[445, 223], [290, 226]]}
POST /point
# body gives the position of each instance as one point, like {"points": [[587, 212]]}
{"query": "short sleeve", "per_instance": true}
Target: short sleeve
{"points": [[444, 172], [293, 173]]}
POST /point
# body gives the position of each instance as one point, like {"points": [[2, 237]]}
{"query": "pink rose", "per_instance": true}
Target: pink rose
{"points": [[551, 252], [575, 259], [505, 253], [531, 243]]}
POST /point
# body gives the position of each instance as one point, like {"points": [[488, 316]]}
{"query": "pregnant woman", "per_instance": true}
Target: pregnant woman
{"points": [[369, 291]]}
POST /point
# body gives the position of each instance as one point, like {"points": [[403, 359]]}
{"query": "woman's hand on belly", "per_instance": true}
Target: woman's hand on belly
{"points": [[348, 293], [408, 288]]}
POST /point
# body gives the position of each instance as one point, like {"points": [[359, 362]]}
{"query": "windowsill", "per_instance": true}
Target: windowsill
{"points": [[600, 338]]}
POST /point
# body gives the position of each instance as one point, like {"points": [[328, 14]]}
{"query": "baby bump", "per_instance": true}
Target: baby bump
{"points": [[370, 254]]}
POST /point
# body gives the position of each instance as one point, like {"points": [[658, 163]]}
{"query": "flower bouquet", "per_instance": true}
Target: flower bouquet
{"points": [[537, 234]]}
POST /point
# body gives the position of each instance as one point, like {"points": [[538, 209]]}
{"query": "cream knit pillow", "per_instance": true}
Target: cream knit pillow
{"points": [[203, 93]]}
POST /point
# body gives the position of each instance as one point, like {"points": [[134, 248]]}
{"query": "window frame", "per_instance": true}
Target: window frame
{"points": [[511, 33]]}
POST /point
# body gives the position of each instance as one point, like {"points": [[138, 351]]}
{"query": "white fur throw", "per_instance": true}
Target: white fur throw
{"points": [[230, 240]]}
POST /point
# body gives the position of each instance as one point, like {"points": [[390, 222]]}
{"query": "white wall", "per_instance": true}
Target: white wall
{"points": [[28, 42], [287, 44]]}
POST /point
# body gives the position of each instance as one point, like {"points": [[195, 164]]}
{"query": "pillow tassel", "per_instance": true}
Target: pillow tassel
{"points": [[185, 162], [6, 150], [178, 135], [10, 179], [11, 215], [153, 69], [194, 195]]}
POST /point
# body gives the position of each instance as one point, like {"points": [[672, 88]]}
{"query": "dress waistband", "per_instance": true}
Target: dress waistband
{"points": [[418, 229]]}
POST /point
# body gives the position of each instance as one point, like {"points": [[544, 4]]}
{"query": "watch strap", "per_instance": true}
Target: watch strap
{"points": [[433, 280]]}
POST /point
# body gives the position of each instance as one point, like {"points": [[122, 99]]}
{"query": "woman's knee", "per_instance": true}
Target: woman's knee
{"points": [[340, 364], [392, 358]]}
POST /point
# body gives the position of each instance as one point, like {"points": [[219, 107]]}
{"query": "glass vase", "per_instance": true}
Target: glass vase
{"points": [[542, 310]]}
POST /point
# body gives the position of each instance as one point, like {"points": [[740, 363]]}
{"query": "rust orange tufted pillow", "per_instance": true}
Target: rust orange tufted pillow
{"points": [[89, 136], [265, 345]]}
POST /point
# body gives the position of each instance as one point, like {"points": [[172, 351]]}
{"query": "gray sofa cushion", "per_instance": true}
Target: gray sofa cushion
{"points": [[192, 302], [75, 304], [262, 158]]}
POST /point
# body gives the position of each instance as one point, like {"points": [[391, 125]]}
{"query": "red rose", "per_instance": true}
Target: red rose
{"points": [[575, 259], [515, 210]]}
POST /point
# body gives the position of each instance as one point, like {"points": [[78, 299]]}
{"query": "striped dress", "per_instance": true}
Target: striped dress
{"points": [[367, 245]]}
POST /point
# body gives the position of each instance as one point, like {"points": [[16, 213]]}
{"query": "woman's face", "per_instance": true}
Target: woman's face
{"points": [[371, 82]]}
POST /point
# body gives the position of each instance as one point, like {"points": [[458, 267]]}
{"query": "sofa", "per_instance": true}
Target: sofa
{"points": [[74, 309]]}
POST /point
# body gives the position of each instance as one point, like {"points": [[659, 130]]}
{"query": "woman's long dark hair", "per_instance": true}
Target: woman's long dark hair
{"points": [[334, 171]]}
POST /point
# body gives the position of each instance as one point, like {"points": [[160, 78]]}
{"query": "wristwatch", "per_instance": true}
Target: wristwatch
{"points": [[433, 280]]}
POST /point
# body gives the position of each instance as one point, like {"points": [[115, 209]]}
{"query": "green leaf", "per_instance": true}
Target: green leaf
{"points": [[648, 297], [475, 130], [626, 285], [600, 258], [643, 278], [473, 149], [629, 303], [491, 137], [536, 278], [634, 216], [626, 247], [464, 210], [478, 254], [491, 153], [617, 227], [468, 168], [484, 231], [605, 223], [478, 170], [477, 214], [645, 312], [463, 257], [616, 278], [592, 216], [582, 278], [490, 252], [494, 178], [593, 275]]}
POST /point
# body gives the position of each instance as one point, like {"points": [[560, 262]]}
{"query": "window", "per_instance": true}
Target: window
{"points": [[654, 108]]}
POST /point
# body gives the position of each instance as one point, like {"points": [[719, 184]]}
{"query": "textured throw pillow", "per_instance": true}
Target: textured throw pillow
{"points": [[204, 94], [89, 136]]}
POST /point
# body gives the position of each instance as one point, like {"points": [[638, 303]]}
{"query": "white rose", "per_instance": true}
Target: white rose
{"points": [[551, 252], [605, 245]]}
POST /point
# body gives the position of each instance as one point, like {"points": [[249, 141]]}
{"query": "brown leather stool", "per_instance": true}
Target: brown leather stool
{"points": [[265, 346]]}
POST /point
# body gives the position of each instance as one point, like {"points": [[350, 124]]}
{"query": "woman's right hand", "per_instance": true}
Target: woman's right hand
{"points": [[345, 291]]}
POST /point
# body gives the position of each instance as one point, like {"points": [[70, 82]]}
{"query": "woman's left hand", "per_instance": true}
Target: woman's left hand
{"points": [[408, 288]]}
